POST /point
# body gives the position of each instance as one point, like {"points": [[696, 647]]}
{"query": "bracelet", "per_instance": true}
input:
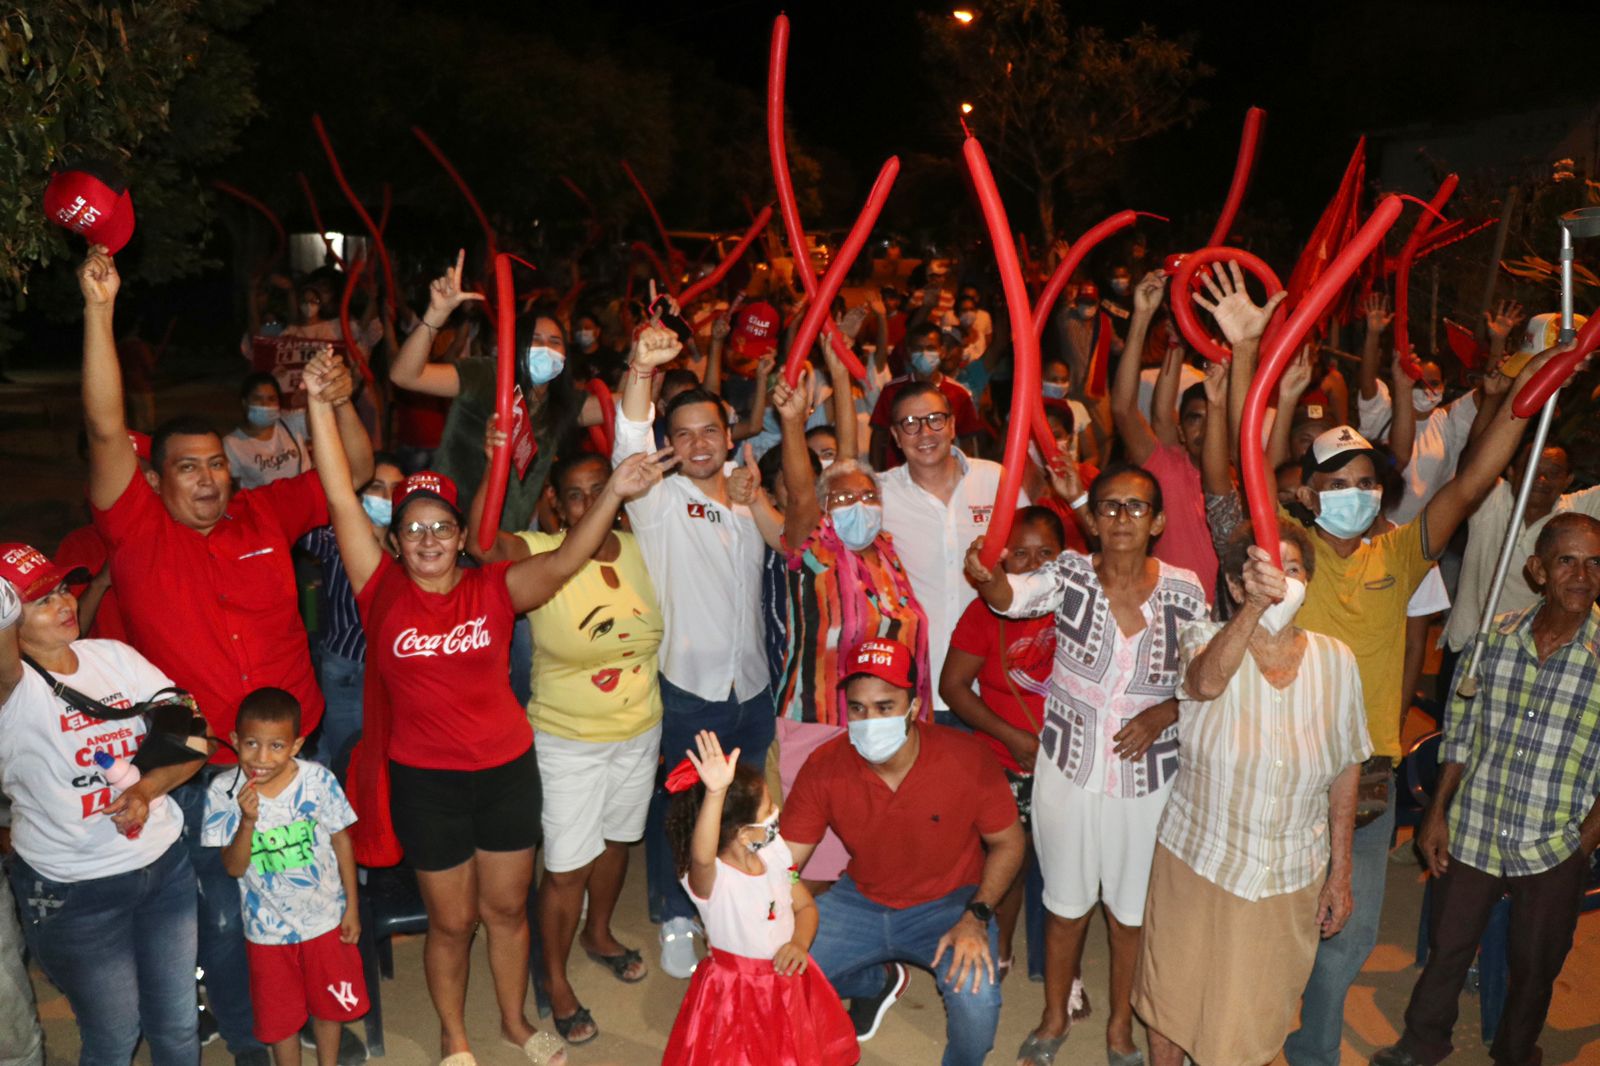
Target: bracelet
{"points": [[1080, 501], [430, 325], [640, 374]]}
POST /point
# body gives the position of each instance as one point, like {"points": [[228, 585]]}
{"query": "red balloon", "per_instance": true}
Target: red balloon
{"points": [[821, 307], [715, 277], [366, 219], [491, 246], [1248, 142], [777, 150], [1025, 343], [1183, 284], [1260, 493], [1074, 258], [1402, 277], [279, 240], [1554, 374], [352, 276], [602, 437], [494, 496]]}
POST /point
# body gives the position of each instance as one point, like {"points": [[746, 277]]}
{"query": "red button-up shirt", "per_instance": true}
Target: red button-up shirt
{"points": [[219, 612]]}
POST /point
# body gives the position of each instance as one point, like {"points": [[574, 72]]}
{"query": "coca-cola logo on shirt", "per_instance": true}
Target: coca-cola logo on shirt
{"points": [[466, 637]]}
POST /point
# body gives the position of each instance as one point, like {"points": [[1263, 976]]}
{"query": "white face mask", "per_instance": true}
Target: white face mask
{"points": [[1280, 614], [769, 826], [878, 739], [1424, 400]]}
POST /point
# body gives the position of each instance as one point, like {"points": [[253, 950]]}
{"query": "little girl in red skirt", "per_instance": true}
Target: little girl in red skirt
{"points": [[758, 999]]}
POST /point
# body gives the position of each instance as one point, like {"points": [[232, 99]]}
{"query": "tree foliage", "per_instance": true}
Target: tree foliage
{"points": [[155, 89], [1056, 104]]}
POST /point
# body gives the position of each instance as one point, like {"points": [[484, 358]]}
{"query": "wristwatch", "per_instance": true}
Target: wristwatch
{"points": [[981, 911]]}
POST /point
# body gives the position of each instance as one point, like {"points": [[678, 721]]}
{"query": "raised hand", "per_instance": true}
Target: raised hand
{"points": [[98, 278], [715, 768], [638, 472], [720, 328], [11, 604], [249, 801], [1503, 319], [793, 404], [1236, 313], [745, 482], [1295, 380], [980, 574], [446, 293], [1495, 381], [1375, 309], [1062, 471], [655, 345], [1264, 584], [1147, 294], [1216, 385], [493, 437]]}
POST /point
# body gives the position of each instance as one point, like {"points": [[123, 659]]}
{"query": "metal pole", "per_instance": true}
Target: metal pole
{"points": [[1469, 677]]}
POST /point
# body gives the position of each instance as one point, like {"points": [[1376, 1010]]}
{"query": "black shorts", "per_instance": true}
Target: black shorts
{"points": [[442, 816]]}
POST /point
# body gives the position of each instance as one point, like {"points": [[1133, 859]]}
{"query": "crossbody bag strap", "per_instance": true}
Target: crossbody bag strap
{"points": [[1038, 727], [72, 697]]}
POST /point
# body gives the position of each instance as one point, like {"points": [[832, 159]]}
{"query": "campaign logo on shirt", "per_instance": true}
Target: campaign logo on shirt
{"points": [[980, 513], [466, 637], [703, 511]]}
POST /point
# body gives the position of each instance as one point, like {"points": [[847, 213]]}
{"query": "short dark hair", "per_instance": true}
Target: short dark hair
{"points": [[260, 377], [177, 426], [916, 333], [1038, 515], [913, 389], [563, 467], [1564, 522], [269, 705], [679, 378], [1194, 392], [385, 458], [689, 398], [1115, 470], [826, 429]]}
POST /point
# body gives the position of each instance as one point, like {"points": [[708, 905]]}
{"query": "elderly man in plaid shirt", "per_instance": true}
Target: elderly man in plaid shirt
{"points": [[1516, 809]]}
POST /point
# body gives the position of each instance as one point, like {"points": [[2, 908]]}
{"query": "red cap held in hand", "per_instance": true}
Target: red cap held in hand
{"points": [[89, 205], [32, 573]]}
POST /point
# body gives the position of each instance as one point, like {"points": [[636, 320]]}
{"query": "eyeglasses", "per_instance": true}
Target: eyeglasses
{"points": [[911, 425], [1113, 508], [443, 529], [845, 499]]}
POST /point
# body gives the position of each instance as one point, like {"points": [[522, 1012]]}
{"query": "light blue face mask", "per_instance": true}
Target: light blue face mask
{"points": [[1346, 513], [260, 417], [543, 364], [858, 524], [1054, 390], [924, 362], [379, 509], [877, 739]]}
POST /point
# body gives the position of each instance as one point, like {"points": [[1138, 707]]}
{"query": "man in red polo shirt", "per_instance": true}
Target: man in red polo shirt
{"points": [[934, 842], [207, 592]]}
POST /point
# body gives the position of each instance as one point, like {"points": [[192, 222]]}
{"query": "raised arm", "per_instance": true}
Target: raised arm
{"points": [[1376, 310], [1164, 397], [1491, 394], [716, 774], [10, 648], [507, 547], [533, 580], [720, 329], [1291, 386], [1132, 427], [352, 529], [845, 425], [1213, 668], [411, 369], [1216, 459], [653, 347], [112, 463], [753, 423], [1403, 417], [1243, 323], [800, 518]]}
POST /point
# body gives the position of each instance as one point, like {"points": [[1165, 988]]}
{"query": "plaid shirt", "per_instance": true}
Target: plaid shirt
{"points": [[1530, 742]]}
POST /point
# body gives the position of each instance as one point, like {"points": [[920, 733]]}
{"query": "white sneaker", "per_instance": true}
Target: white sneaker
{"points": [[678, 954]]}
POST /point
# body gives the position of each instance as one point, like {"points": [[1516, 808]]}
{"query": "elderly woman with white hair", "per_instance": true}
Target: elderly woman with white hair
{"points": [[846, 585]]}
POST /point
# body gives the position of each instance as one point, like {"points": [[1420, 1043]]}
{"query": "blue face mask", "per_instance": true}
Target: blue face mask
{"points": [[1346, 513], [1054, 390], [260, 417], [924, 362], [857, 525], [543, 364], [877, 739], [379, 509]]}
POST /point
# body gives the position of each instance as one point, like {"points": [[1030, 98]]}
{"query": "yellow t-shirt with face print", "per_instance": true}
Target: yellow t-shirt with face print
{"points": [[594, 649]]}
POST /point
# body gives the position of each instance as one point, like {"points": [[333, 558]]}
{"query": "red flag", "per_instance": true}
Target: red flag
{"points": [[1336, 226], [1464, 344]]}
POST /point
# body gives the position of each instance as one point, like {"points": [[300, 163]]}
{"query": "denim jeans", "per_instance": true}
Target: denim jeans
{"points": [[522, 660], [856, 937], [21, 1042], [122, 950], [748, 726], [222, 951], [1340, 957], [341, 682]]}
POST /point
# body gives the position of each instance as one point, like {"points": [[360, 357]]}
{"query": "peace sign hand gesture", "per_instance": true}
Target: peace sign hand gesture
{"points": [[446, 294]]}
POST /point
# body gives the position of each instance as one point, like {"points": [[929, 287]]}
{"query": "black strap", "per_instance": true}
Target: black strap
{"points": [[93, 708]]}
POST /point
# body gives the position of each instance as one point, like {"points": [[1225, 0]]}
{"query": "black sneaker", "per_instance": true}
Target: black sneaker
{"points": [[1393, 1056], [352, 1052], [256, 1056], [208, 1027], [867, 1013]]}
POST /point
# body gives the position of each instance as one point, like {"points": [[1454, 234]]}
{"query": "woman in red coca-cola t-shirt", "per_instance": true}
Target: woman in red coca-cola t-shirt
{"points": [[445, 769]]}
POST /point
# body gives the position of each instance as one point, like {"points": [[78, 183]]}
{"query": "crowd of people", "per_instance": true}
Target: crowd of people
{"points": [[748, 619]]}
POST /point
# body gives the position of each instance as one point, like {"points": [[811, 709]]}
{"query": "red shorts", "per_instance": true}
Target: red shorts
{"points": [[318, 978]]}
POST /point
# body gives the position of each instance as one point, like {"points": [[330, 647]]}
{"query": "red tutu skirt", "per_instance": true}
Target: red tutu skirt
{"points": [[740, 1012]]}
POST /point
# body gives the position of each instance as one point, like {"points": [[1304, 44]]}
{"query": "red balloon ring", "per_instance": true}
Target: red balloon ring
{"points": [[1184, 283]]}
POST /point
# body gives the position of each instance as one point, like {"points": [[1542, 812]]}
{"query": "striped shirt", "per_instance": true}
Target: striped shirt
{"points": [[1103, 679], [1249, 811], [342, 634], [839, 598], [1530, 741]]}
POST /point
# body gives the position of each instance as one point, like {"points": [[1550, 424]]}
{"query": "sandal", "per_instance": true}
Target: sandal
{"points": [[1039, 1050], [542, 1049], [618, 964], [576, 1019], [460, 1058]]}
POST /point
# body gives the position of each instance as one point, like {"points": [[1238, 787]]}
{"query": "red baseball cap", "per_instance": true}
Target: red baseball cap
{"points": [[87, 204], [888, 660], [755, 330], [1088, 292], [425, 484], [32, 572]]}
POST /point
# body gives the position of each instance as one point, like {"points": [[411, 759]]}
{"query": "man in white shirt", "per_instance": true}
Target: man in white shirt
{"points": [[704, 554], [935, 506]]}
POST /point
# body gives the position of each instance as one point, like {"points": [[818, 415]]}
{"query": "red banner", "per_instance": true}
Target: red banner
{"points": [[285, 358]]}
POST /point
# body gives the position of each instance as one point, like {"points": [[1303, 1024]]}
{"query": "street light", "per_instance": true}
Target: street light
{"points": [[963, 15], [966, 108]]}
